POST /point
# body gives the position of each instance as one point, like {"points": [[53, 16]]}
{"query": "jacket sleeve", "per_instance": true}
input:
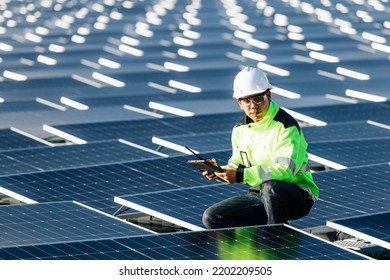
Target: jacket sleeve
{"points": [[287, 156]]}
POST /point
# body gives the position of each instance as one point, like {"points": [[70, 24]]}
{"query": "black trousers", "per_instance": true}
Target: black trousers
{"points": [[277, 202]]}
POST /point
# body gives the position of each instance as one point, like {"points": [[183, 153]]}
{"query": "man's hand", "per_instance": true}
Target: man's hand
{"points": [[228, 176], [209, 176]]}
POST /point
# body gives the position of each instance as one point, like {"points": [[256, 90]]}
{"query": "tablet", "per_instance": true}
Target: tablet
{"points": [[203, 165]]}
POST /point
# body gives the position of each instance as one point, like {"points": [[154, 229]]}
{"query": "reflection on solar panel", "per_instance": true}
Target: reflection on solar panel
{"points": [[71, 156], [58, 222], [254, 243], [373, 228], [354, 153]]}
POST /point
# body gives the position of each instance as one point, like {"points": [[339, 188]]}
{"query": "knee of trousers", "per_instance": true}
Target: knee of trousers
{"points": [[207, 219], [267, 188], [270, 190]]}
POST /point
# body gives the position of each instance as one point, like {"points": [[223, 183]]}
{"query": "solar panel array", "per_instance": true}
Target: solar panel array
{"points": [[98, 99], [257, 243], [96, 186]]}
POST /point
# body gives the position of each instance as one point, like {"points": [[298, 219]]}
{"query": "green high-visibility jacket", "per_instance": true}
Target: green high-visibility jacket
{"points": [[273, 148]]}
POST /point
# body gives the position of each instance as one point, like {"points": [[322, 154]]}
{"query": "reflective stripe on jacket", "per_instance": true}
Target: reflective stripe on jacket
{"points": [[273, 148]]}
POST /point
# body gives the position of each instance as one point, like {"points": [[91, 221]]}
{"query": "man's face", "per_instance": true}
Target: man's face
{"points": [[255, 106]]}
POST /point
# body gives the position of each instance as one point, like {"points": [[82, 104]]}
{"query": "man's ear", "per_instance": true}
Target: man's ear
{"points": [[268, 94], [239, 104]]}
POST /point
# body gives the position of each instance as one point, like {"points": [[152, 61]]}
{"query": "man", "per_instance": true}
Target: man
{"points": [[270, 155]]}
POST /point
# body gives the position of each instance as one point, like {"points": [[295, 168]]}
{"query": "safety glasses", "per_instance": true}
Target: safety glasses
{"points": [[257, 99]]}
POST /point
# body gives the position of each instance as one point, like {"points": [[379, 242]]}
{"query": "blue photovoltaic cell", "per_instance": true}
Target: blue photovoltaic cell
{"points": [[14, 141], [354, 153], [96, 186], [71, 156], [57, 222], [253, 243], [374, 228]]}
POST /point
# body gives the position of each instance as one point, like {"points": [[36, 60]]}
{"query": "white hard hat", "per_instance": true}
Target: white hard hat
{"points": [[250, 81]]}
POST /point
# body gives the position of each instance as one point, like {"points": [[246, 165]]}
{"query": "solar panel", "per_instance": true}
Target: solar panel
{"points": [[360, 130], [349, 113], [210, 123], [144, 78], [277, 242], [71, 156], [352, 186], [323, 210], [14, 141], [183, 207], [374, 228], [16, 105], [354, 153], [10, 166], [349, 192], [141, 131], [50, 115], [137, 131], [58, 222], [96, 186], [202, 142]]}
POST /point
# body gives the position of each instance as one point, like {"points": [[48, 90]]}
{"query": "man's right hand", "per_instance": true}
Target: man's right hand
{"points": [[209, 176]]}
